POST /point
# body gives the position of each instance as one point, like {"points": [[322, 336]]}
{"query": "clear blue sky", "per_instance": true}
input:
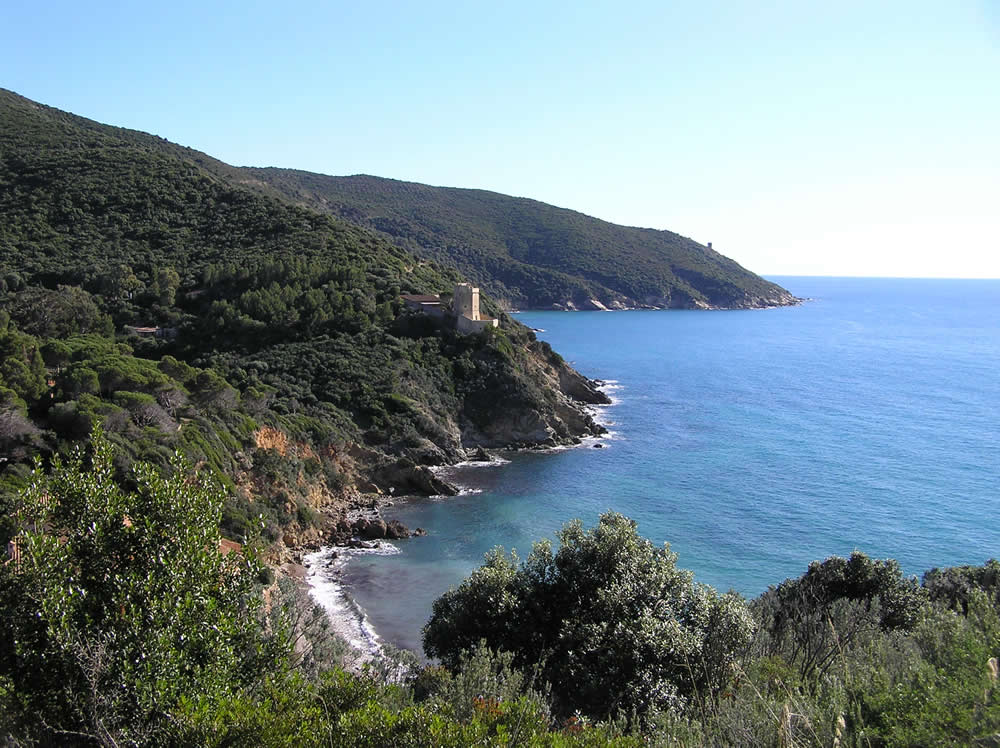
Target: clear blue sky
{"points": [[838, 138]]}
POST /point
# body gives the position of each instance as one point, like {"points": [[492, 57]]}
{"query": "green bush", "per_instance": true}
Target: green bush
{"points": [[127, 610], [810, 620], [483, 680], [950, 695], [616, 627]]}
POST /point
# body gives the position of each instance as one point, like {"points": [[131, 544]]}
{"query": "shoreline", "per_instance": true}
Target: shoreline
{"points": [[596, 306], [324, 571], [324, 568]]}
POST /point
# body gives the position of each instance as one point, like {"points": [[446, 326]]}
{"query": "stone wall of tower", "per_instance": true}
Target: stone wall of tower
{"points": [[468, 326], [466, 301]]}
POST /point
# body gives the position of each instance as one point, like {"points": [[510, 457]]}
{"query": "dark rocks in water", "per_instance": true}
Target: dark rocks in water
{"points": [[419, 532], [406, 477], [355, 543], [481, 455], [394, 530], [376, 528], [430, 484], [598, 446], [370, 529]]}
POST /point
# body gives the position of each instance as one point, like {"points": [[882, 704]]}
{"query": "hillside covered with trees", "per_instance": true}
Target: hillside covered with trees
{"points": [[146, 292], [528, 254]]}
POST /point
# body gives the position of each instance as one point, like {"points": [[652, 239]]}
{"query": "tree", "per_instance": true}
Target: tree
{"points": [[836, 603], [120, 282], [121, 607], [165, 285], [955, 585], [21, 366], [59, 313], [14, 425], [617, 628]]}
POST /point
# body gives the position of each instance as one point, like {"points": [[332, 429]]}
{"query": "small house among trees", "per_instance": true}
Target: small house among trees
{"points": [[427, 303], [166, 333]]}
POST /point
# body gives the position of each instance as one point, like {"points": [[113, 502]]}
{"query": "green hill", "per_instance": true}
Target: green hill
{"points": [[143, 287], [528, 254]]}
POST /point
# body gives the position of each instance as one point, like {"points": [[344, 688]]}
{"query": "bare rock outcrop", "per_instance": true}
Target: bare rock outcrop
{"points": [[573, 384], [406, 477]]}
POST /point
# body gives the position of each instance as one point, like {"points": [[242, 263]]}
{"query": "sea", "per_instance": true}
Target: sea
{"points": [[753, 442]]}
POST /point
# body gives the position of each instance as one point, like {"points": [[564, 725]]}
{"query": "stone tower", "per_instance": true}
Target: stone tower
{"points": [[466, 301]]}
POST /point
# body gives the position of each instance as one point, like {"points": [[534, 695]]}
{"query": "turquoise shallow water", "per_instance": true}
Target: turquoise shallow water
{"points": [[753, 441]]}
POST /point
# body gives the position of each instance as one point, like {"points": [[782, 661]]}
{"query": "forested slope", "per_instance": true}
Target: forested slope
{"points": [[529, 254], [278, 325]]}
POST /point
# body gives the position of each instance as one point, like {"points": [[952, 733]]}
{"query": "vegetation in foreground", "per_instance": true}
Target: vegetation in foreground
{"points": [[124, 624]]}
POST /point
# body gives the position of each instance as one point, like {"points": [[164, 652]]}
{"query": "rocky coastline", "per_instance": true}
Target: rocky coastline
{"points": [[626, 304], [353, 517], [354, 521]]}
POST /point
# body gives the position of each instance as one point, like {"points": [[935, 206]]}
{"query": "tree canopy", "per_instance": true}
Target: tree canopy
{"points": [[156, 291], [119, 604], [615, 627]]}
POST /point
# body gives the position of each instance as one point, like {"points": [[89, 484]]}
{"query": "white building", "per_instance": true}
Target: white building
{"points": [[465, 304]]}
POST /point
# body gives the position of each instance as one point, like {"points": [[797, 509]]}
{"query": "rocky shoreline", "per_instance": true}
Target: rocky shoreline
{"points": [[353, 519], [593, 305], [623, 303], [356, 523], [357, 520]]}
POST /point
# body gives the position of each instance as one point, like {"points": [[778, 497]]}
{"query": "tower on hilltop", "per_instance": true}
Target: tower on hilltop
{"points": [[466, 301]]}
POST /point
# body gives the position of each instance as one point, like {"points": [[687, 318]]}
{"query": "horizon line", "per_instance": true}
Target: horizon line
{"points": [[880, 277]]}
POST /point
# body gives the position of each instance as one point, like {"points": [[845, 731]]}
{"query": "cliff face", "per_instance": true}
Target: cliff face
{"points": [[513, 391], [546, 404], [547, 407], [556, 418]]}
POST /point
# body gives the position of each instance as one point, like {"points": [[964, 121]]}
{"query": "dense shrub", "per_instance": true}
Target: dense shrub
{"points": [[615, 626], [121, 604], [809, 620]]}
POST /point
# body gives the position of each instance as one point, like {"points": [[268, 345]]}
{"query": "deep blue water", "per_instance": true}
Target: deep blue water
{"points": [[753, 441]]}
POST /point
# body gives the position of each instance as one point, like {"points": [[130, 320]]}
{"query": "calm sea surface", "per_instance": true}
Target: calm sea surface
{"points": [[753, 442]]}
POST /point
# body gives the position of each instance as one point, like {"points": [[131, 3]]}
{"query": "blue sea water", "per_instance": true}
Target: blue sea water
{"points": [[752, 441]]}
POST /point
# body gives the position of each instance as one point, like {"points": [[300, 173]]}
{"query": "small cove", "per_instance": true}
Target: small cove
{"points": [[754, 442]]}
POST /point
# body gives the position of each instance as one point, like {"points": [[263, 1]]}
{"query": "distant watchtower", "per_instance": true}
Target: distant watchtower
{"points": [[465, 304], [466, 301]]}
